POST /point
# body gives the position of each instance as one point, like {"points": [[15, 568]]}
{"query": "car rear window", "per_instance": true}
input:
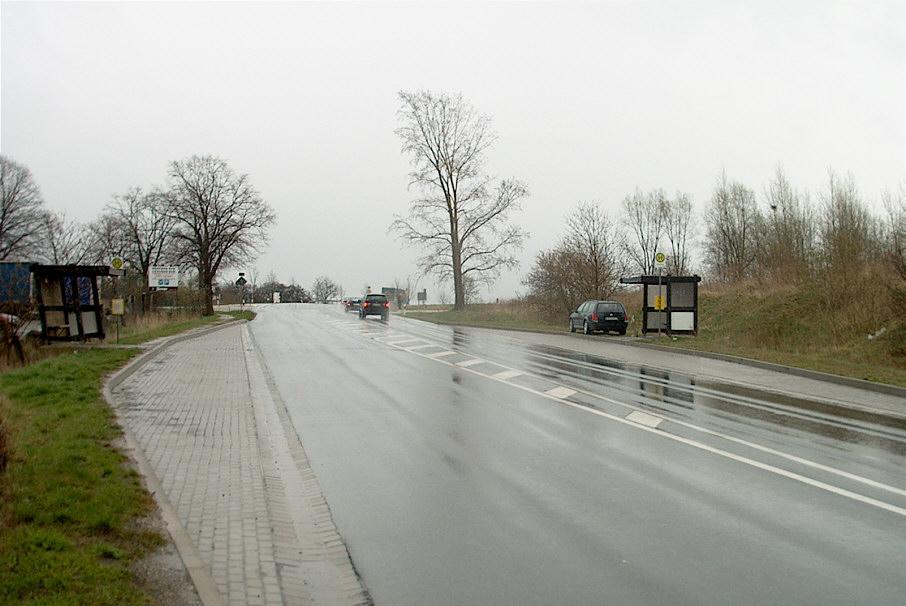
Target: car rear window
{"points": [[605, 308]]}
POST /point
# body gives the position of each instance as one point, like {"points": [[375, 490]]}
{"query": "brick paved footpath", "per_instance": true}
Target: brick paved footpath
{"points": [[220, 450]]}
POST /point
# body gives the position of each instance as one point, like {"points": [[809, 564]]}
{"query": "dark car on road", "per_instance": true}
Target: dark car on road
{"points": [[599, 316], [353, 304], [375, 305]]}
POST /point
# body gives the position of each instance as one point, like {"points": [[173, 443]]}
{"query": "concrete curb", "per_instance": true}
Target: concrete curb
{"points": [[198, 571]]}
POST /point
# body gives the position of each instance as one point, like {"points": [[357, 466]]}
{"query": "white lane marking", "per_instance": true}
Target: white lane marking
{"points": [[426, 346], [390, 341], [472, 362], [506, 375], [560, 392], [643, 418], [441, 354]]}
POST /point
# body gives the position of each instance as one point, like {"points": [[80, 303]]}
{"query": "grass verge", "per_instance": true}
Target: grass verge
{"points": [[68, 498]]}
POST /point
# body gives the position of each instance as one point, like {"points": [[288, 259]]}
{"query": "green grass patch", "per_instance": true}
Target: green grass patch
{"points": [[68, 498]]}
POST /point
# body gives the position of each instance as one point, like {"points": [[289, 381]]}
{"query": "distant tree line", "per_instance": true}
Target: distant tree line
{"points": [[204, 219]]}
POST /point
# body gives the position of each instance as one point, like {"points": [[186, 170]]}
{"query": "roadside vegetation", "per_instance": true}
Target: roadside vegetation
{"points": [[71, 506]]}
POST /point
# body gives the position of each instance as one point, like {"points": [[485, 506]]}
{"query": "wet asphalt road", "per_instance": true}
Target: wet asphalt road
{"points": [[468, 466]]}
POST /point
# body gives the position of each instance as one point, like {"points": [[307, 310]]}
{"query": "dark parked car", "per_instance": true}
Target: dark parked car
{"points": [[375, 305], [603, 316], [353, 304]]}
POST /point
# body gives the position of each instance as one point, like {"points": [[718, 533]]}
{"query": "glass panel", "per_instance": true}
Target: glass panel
{"points": [[682, 294]]}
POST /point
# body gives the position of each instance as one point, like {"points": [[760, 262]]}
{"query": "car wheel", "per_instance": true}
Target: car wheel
{"points": [[586, 328], [623, 331]]}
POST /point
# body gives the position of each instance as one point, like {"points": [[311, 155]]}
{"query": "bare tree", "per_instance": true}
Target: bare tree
{"points": [[733, 223], [586, 264], [220, 218], [643, 216], [461, 221], [895, 205], [677, 221], [66, 241], [21, 212], [788, 246], [324, 289], [145, 225], [849, 235], [592, 239]]}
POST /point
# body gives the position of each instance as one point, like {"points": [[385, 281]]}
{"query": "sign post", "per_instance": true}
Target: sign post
{"points": [[241, 282], [660, 261]]}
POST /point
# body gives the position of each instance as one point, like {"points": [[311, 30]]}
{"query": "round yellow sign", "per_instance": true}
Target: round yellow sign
{"points": [[116, 263]]}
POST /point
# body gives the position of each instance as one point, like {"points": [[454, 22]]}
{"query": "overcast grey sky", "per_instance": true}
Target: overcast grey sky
{"points": [[590, 100]]}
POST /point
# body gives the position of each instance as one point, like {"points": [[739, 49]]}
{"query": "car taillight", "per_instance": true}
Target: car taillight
{"points": [[594, 317], [387, 305], [366, 304], [626, 317]]}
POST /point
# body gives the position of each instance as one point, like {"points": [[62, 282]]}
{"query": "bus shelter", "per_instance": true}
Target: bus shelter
{"points": [[68, 302], [669, 303]]}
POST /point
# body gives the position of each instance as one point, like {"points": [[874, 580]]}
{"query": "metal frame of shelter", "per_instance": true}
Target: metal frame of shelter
{"points": [[68, 302], [669, 303]]}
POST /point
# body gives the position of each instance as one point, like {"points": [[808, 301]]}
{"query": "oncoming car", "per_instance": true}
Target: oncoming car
{"points": [[599, 316], [375, 305]]}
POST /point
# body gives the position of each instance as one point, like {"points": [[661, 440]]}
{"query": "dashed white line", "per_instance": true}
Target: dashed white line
{"points": [[507, 374], [472, 362], [441, 354], [643, 418], [560, 392], [415, 347]]}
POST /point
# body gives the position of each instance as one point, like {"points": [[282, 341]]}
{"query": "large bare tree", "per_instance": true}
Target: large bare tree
{"points": [[461, 221], [220, 218], [324, 289], [21, 213]]}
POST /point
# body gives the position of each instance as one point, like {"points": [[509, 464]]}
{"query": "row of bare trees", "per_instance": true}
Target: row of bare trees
{"points": [[791, 238], [782, 238], [206, 218]]}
